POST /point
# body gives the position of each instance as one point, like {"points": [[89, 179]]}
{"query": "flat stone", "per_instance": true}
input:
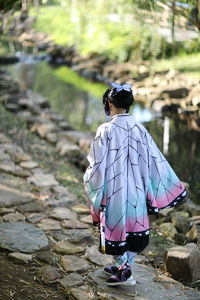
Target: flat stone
{"points": [[87, 219], [65, 247], [71, 280], [60, 190], [22, 237], [80, 209], [72, 263], [4, 210], [141, 259], [13, 217], [4, 139], [94, 256], [35, 217], [43, 180], [195, 220], [44, 129], [10, 196], [193, 235], [35, 206], [74, 224], [75, 136], [184, 262], [18, 171], [181, 222], [63, 213], [78, 235], [20, 157], [168, 230], [49, 274], [150, 285], [29, 164], [49, 224], [21, 257], [66, 148], [48, 258], [82, 293], [4, 156], [52, 137]]}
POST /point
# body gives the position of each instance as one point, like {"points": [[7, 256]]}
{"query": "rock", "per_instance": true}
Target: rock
{"points": [[66, 148], [194, 234], [94, 256], [21, 257], [82, 293], [80, 209], [190, 207], [70, 281], [63, 213], [49, 224], [47, 257], [20, 157], [65, 247], [150, 285], [10, 196], [72, 263], [85, 144], [195, 220], [43, 180], [176, 93], [35, 206], [18, 171], [60, 190], [35, 217], [78, 235], [4, 210], [52, 138], [29, 164], [180, 238], [75, 136], [141, 259], [22, 237], [44, 129], [168, 230], [183, 262], [181, 222], [4, 139], [49, 274], [4, 156], [87, 219], [74, 224], [13, 217]]}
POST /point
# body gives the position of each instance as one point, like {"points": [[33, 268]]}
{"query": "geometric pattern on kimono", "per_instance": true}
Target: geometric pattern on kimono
{"points": [[129, 175]]}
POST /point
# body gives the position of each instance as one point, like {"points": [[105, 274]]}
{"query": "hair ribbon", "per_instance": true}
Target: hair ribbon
{"points": [[120, 87]]}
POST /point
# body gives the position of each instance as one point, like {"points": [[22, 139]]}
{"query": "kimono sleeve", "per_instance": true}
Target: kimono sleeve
{"points": [[164, 187], [94, 177]]}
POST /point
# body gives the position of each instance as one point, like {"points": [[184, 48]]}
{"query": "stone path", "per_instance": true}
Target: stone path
{"points": [[42, 222]]}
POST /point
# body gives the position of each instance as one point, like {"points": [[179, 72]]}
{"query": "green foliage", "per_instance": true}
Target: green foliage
{"points": [[6, 5], [119, 36]]}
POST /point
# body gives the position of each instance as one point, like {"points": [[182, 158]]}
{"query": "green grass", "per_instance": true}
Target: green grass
{"points": [[189, 64]]}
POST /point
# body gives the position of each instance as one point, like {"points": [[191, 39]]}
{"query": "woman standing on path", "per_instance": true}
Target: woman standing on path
{"points": [[128, 178]]}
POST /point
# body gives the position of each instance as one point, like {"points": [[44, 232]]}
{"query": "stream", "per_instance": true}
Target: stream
{"points": [[79, 100]]}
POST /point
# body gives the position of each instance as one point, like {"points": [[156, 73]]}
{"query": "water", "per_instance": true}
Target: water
{"points": [[80, 101]]}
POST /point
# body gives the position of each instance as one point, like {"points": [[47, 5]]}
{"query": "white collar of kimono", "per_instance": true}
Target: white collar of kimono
{"points": [[119, 115]]}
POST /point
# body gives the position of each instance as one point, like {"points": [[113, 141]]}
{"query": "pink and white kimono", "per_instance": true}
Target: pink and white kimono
{"points": [[128, 175]]}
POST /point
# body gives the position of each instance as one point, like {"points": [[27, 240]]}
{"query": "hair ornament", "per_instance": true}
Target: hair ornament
{"points": [[120, 87]]}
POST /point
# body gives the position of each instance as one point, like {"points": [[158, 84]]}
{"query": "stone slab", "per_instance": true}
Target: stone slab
{"points": [[73, 263], [150, 285], [94, 256], [63, 213], [70, 281], [10, 196], [43, 180], [22, 237]]}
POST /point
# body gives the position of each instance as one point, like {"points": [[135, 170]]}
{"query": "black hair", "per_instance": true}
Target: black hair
{"points": [[122, 99]]}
